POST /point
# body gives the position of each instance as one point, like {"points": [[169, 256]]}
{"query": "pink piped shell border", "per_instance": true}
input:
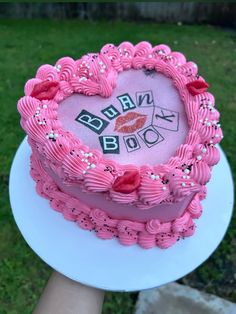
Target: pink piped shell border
{"points": [[150, 234]]}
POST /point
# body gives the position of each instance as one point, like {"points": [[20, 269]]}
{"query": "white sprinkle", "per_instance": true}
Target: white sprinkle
{"points": [[208, 123], [92, 166], [82, 159], [150, 56], [209, 103], [217, 135], [192, 184], [187, 177], [45, 106], [152, 176], [157, 177], [82, 152], [90, 154], [101, 71], [84, 171], [183, 184], [186, 170], [83, 78], [86, 154], [204, 150], [199, 157], [164, 188], [184, 177]]}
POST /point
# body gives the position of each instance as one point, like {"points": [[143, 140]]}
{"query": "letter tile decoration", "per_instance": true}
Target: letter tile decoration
{"points": [[110, 112], [144, 99], [110, 144], [92, 121], [126, 102], [131, 142], [165, 119], [150, 136]]}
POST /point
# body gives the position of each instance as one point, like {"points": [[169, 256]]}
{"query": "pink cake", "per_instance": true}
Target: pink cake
{"points": [[123, 141]]}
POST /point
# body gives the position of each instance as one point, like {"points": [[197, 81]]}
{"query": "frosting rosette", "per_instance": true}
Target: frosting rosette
{"points": [[98, 179], [153, 190]]}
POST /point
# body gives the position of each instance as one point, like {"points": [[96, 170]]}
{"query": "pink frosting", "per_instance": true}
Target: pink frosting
{"points": [[195, 207], [153, 191], [99, 179]]}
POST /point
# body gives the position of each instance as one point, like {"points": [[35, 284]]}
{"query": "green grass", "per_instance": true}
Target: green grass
{"points": [[24, 46]]}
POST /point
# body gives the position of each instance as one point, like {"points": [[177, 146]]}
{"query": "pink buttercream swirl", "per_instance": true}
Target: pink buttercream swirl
{"points": [[195, 207], [153, 226], [153, 190]]}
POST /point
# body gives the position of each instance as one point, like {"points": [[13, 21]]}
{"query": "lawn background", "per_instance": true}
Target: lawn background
{"points": [[24, 46]]}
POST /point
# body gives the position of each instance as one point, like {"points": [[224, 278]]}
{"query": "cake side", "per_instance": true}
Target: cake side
{"points": [[147, 234]]}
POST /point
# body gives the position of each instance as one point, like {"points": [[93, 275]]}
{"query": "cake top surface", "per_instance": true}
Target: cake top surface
{"points": [[63, 102], [142, 122]]}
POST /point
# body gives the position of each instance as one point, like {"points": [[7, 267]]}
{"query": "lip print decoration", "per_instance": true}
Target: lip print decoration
{"points": [[130, 122], [45, 90]]}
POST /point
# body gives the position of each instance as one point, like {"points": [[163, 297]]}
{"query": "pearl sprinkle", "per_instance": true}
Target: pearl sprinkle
{"points": [[86, 161], [52, 135], [154, 177], [57, 67]]}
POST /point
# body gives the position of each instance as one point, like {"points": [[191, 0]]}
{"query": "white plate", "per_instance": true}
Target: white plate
{"points": [[106, 264]]}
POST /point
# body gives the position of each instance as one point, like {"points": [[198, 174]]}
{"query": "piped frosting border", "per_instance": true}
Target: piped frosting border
{"points": [[153, 233], [96, 74]]}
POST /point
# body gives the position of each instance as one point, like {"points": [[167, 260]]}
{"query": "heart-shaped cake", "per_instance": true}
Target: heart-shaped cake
{"points": [[123, 141]]}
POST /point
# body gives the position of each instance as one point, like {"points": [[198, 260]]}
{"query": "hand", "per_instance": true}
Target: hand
{"points": [[65, 296]]}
